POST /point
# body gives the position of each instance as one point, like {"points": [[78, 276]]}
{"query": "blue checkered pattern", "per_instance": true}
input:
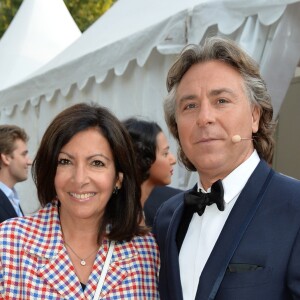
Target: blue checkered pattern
{"points": [[34, 264]]}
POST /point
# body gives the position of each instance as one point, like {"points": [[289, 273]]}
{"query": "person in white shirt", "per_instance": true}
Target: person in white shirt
{"points": [[236, 234], [14, 165]]}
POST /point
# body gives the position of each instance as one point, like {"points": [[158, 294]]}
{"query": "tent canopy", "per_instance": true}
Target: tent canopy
{"points": [[39, 31], [132, 28], [122, 60]]}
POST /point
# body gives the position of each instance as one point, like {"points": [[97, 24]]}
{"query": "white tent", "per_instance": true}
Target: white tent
{"points": [[121, 61], [38, 32]]}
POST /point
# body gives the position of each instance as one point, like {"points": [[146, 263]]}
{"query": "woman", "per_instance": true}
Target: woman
{"points": [[154, 162], [86, 184]]}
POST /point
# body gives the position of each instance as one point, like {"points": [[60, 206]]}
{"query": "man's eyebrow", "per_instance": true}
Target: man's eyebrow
{"points": [[216, 92], [186, 97]]}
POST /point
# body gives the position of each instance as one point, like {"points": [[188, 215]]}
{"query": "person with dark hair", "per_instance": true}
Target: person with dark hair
{"points": [[154, 162], [86, 241], [14, 165], [235, 235]]}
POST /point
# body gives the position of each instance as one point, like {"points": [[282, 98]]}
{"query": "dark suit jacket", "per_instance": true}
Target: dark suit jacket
{"points": [[257, 255], [7, 211], [159, 195]]}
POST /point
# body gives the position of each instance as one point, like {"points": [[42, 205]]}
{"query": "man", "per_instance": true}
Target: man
{"points": [[14, 163], [247, 246]]}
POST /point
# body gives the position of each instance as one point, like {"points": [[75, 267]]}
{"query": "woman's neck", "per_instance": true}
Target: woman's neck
{"points": [[146, 189]]}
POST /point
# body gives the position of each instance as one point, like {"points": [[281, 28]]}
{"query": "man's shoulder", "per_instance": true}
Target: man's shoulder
{"points": [[168, 209], [173, 202], [37, 222], [2, 195]]}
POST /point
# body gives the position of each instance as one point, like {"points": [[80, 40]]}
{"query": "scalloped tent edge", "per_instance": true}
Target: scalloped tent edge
{"points": [[168, 37]]}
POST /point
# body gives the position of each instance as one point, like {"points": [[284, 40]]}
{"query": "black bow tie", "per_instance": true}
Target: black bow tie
{"points": [[197, 201]]}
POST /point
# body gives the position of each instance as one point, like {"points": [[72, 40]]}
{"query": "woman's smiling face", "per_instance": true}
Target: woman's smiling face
{"points": [[86, 175]]}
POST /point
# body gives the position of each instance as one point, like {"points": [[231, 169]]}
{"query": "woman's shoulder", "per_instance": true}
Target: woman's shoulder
{"points": [[145, 242], [142, 248]]}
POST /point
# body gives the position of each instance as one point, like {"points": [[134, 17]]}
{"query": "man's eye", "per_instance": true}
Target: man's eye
{"points": [[222, 100], [190, 105]]}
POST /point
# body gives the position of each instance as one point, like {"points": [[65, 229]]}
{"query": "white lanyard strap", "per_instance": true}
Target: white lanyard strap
{"points": [[104, 271]]}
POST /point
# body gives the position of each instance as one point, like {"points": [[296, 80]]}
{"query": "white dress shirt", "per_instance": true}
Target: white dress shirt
{"points": [[204, 230], [12, 196]]}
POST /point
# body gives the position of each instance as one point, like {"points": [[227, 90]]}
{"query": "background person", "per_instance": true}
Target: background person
{"points": [[236, 234], [86, 184], [14, 164], [154, 162]]}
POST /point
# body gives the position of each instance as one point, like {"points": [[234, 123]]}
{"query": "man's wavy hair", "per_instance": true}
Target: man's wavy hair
{"points": [[227, 51]]}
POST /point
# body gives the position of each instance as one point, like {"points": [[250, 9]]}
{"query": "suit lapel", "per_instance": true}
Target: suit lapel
{"points": [[230, 236], [171, 269]]}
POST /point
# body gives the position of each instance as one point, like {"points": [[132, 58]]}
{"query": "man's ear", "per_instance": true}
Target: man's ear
{"points": [[255, 118], [5, 159]]}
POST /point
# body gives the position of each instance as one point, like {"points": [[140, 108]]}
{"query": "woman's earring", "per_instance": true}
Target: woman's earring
{"points": [[115, 191]]}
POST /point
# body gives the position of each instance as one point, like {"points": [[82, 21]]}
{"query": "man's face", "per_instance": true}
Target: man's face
{"points": [[212, 107], [18, 162]]}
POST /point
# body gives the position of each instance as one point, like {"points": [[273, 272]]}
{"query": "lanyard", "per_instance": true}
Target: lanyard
{"points": [[104, 271]]}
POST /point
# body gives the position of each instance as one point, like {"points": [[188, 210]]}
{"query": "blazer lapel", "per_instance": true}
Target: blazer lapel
{"points": [[49, 259], [122, 255], [171, 268], [238, 220], [60, 274]]}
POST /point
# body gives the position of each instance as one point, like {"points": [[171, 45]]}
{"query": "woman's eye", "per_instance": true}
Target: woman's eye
{"points": [[97, 163], [63, 161]]}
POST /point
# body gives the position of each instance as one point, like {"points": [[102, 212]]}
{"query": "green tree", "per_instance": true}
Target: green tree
{"points": [[8, 9], [84, 12]]}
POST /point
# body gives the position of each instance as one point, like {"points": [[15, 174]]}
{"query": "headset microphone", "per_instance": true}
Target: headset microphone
{"points": [[237, 138]]}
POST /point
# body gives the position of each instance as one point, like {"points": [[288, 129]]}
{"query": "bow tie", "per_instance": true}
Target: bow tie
{"points": [[197, 201]]}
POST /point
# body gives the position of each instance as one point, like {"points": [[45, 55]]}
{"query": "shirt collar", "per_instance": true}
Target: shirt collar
{"points": [[237, 179], [10, 193]]}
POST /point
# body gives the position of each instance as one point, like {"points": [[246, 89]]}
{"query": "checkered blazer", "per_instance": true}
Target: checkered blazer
{"points": [[34, 263]]}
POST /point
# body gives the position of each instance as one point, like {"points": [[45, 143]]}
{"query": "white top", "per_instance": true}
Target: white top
{"points": [[204, 230], [13, 197]]}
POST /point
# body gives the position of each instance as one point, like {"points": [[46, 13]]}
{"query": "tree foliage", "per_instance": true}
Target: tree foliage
{"points": [[8, 9], [84, 12]]}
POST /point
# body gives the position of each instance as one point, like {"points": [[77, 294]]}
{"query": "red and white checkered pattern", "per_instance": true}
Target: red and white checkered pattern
{"points": [[34, 263]]}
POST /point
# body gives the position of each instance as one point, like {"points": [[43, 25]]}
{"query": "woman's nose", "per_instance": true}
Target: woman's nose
{"points": [[80, 175], [172, 159]]}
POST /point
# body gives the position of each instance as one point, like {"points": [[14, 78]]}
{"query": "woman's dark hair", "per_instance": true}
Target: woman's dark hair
{"points": [[143, 135], [123, 211]]}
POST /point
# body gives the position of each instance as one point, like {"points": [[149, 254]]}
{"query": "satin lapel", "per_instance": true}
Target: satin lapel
{"points": [[123, 257], [239, 217], [171, 256]]}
